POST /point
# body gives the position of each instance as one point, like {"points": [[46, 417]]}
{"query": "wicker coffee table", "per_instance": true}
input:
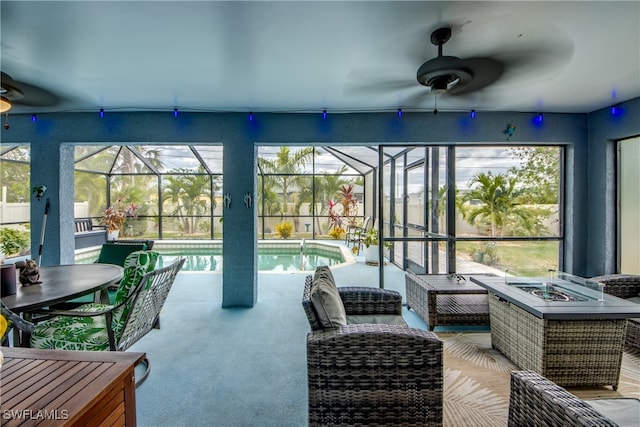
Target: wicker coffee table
{"points": [[447, 300]]}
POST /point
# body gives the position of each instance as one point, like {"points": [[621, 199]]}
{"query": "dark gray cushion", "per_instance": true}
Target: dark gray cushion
{"points": [[623, 411], [326, 300]]}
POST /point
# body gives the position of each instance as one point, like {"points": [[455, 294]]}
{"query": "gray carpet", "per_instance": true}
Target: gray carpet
{"points": [[236, 367], [247, 367]]}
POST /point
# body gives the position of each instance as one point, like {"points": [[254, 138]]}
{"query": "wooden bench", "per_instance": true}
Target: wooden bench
{"points": [[87, 234]]}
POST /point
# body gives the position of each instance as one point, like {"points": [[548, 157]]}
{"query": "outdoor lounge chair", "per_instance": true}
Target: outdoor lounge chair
{"points": [[536, 401], [625, 286], [102, 327], [362, 304], [374, 375]]}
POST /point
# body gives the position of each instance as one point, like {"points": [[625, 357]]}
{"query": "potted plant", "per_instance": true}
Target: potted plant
{"points": [[372, 244], [114, 217]]}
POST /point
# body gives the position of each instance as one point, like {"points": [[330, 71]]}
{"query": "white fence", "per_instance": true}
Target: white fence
{"points": [[20, 212]]}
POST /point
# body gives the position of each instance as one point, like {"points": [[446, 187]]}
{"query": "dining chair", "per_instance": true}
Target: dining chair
{"points": [[356, 233], [113, 253], [10, 320], [114, 327]]}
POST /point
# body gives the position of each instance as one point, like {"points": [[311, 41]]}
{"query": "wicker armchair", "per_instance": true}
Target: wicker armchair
{"points": [[372, 375], [536, 401], [624, 286], [357, 300]]}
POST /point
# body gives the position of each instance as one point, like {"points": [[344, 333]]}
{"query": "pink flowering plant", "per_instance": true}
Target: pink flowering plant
{"points": [[114, 216], [335, 221]]}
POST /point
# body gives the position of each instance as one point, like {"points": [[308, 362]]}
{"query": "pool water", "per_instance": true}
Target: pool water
{"points": [[272, 258], [280, 262]]}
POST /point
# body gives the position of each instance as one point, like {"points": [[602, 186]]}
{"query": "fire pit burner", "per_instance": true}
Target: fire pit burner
{"points": [[552, 294]]}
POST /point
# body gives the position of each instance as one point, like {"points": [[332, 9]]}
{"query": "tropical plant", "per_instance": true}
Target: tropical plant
{"points": [[188, 194], [499, 204], [14, 174], [13, 241], [287, 170], [326, 188], [268, 202], [349, 204], [371, 238], [284, 229], [538, 174], [335, 219], [114, 216]]}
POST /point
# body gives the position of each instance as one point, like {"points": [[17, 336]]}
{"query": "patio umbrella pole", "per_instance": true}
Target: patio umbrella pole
{"points": [[44, 227]]}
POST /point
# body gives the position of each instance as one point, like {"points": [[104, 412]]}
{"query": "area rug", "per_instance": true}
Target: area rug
{"points": [[477, 381]]}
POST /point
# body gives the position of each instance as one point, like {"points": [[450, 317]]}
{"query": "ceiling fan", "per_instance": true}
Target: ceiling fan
{"points": [[21, 93], [450, 76]]}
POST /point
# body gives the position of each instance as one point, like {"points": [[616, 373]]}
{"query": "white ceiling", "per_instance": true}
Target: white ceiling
{"points": [[308, 56]]}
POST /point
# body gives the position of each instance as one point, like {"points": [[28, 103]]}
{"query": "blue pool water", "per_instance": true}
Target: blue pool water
{"points": [[272, 257]]}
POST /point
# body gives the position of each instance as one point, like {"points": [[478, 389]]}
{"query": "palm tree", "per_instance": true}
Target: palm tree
{"points": [[289, 167], [188, 192], [499, 202]]}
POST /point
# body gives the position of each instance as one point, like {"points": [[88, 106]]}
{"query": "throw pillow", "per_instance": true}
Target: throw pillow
{"points": [[327, 302], [325, 273]]}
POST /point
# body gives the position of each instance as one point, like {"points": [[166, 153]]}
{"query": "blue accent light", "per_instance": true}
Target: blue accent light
{"points": [[250, 116], [324, 114], [175, 112], [34, 118], [615, 110], [473, 114], [399, 112], [537, 120], [102, 112]]}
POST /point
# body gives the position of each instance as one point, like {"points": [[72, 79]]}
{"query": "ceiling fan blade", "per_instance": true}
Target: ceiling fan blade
{"points": [[22, 93], [486, 71], [370, 81]]}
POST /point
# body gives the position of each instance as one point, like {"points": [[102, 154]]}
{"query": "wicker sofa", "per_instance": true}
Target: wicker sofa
{"points": [[538, 402], [626, 286]]}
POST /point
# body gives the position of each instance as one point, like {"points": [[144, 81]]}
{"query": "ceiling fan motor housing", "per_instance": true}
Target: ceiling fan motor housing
{"points": [[444, 73]]}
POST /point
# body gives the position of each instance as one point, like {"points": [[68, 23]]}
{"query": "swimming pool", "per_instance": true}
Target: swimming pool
{"points": [[276, 256]]}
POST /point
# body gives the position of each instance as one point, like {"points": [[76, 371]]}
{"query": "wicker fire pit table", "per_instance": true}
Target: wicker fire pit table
{"points": [[565, 328]]}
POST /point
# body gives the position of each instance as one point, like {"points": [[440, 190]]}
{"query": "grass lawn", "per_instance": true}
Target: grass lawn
{"points": [[520, 258]]}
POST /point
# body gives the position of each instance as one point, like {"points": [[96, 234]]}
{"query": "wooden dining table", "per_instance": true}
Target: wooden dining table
{"points": [[62, 283]]}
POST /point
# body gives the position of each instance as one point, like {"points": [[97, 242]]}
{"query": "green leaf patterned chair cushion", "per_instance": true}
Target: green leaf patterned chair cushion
{"points": [[90, 333]]}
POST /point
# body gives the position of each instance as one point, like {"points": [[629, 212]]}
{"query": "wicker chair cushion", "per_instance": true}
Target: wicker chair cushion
{"points": [[379, 319], [73, 333], [623, 411], [326, 300], [136, 265]]}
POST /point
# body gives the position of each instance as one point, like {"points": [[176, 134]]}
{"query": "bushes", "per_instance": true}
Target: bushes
{"points": [[13, 241], [284, 230], [337, 233]]}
